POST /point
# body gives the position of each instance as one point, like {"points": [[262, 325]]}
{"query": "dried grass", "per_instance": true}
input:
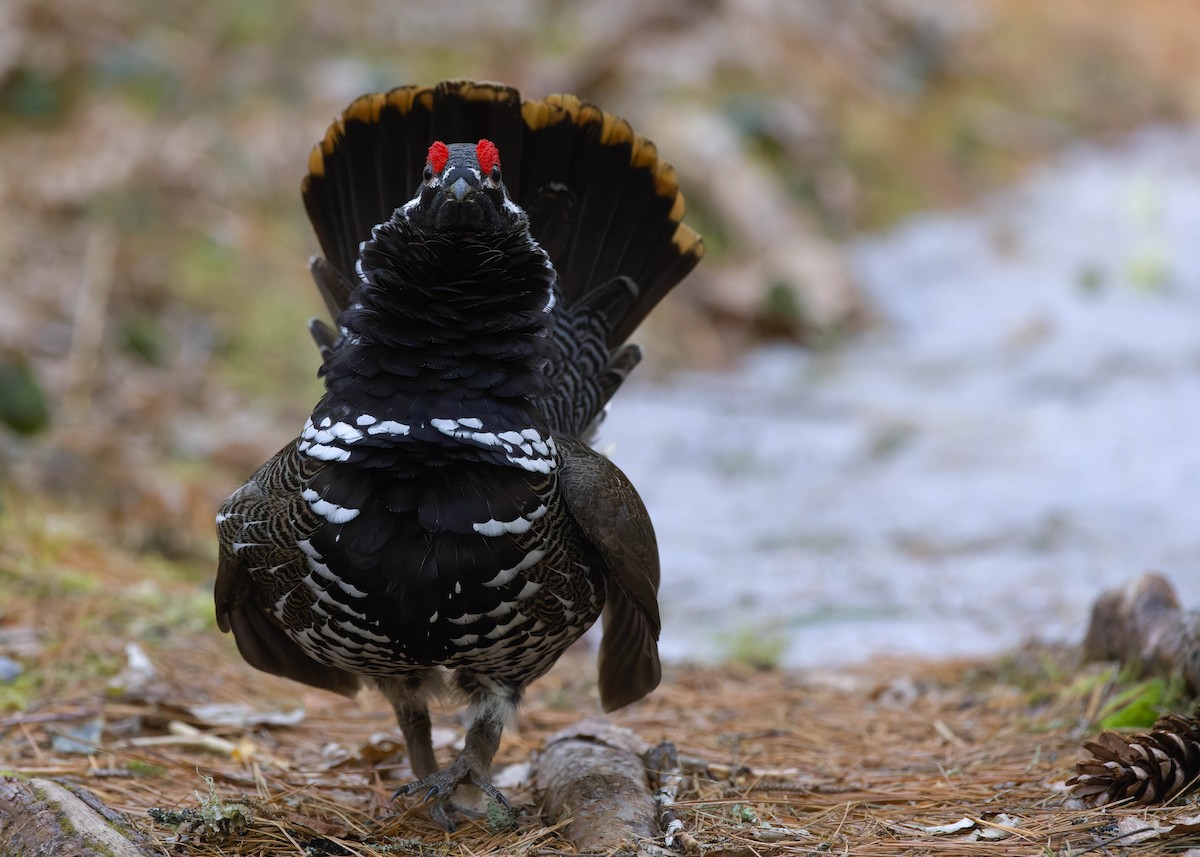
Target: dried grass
{"points": [[864, 761]]}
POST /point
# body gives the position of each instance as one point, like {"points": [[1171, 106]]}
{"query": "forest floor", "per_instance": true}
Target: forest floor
{"points": [[127, 690]]}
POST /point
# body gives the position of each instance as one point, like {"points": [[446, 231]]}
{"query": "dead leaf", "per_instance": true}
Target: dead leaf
{"points": [[959, 826], [1132, 829], [244, 716]]}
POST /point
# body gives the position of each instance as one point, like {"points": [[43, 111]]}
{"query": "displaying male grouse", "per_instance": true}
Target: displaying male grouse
{"points": [[441, 513]]}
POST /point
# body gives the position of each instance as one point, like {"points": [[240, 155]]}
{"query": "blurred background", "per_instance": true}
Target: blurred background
{"points": [[935, 385]]}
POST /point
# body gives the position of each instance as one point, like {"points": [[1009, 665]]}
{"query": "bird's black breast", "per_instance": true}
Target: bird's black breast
{"points": [[464, 564]]}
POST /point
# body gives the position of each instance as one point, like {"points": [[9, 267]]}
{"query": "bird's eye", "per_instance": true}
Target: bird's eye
{"points": [[495, 174], [428, 172]]}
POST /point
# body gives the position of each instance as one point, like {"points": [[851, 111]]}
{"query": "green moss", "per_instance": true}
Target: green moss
{"points": [[156, 615], [35, 93], [758, 648], [743, 814], [142, 768], [19, 694], [499, 817], [223, 819], [23, 405]]}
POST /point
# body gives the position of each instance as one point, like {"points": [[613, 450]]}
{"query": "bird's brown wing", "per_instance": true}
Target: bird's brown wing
{"points": [[611, 514], [258, 528]]}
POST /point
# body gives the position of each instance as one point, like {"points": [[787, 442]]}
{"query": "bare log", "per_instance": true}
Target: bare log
{"points": [[1143, 626], [593, 778], [41, 818]]}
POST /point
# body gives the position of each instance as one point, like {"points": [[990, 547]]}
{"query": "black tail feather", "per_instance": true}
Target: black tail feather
{"points": [[466, 112], [600, 201], [368, 164], [590, 176], [333, 285]]}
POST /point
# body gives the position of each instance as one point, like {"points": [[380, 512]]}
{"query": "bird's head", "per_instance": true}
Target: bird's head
{"points": [[462, 190]]}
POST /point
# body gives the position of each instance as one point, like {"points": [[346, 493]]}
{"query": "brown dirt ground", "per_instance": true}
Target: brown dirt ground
{"points": [[858, 761]]}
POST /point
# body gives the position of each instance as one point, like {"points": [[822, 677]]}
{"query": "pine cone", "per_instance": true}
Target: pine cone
{"points": [[1147, 768]]}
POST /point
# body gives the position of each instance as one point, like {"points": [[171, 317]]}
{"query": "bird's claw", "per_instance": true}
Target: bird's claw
{"points": [[441, 786], [494, 794]]}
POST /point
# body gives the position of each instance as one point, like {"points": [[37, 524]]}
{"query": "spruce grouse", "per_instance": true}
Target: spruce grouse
{"points": [[441, 522]]}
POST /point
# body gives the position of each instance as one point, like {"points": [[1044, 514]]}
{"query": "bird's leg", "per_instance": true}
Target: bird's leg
{"points": [[418, 737], [408, 696], [473, 765]]}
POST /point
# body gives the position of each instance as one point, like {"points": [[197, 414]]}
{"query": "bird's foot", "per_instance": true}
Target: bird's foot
{"points": [[440, 787]]}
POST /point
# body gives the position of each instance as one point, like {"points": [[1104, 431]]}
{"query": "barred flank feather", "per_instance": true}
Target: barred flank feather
{"points": [[1147, 768]]}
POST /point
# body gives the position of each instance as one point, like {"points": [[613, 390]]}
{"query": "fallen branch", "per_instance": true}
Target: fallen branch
{"points": [[42, 817], [593, 780], [1144, 627]]}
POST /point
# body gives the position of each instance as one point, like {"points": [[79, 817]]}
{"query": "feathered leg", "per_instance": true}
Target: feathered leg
{"points": [[491, 708], [409, 697]]}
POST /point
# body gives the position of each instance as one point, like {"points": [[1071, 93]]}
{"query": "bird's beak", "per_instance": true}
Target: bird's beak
{"points": [[460, 190]]}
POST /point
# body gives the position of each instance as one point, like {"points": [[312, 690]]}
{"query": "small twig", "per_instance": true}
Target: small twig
{"points": [[87, 330], [185, 735], [946, 732], [663, 764], [49, 717]]}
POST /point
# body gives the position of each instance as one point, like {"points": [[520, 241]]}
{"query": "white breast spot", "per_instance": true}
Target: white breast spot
{"points": [[363, 632], [350, 589], [346, 432], [534, 465], [465, 619], [505, 575], [338, 431], [326, 453], [499, 528], [500, 610], [389, 427], [331, 512], [528, 590], [281, 604], [487, 438], [501, 630]]}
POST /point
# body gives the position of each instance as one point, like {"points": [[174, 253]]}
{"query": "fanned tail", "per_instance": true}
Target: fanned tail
{"points": [[600, 202]]}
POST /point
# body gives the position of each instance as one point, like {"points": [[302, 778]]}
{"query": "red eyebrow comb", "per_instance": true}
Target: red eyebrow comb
{"points": [[439, 153], [487, 155]]}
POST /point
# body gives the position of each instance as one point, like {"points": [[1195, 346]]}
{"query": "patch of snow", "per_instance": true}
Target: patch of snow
{"points": [[1020, 433]]}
